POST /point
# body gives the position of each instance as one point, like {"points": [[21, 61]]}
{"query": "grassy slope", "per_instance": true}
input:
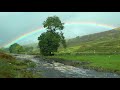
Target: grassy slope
{"points": [[35, 48], [12, 68], [108, 41]]}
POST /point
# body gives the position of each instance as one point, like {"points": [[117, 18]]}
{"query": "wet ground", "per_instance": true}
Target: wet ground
{"points": [[59, 70]]}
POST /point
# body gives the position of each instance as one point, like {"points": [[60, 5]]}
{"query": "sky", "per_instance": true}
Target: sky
{"points": [[16, 24]]}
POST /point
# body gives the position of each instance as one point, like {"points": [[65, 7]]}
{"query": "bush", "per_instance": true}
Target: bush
{"points": [[6, 56], [12, 68]]}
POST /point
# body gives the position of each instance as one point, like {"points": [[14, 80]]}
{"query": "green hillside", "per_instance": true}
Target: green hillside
{"points": [[108, 41], [32, 48]]}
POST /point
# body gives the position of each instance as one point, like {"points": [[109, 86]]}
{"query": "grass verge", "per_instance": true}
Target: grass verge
{"points": [[108, 63], [12, 68]]}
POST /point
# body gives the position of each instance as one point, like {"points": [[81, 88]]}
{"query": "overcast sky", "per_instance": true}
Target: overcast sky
{"points": [[15, 24]]}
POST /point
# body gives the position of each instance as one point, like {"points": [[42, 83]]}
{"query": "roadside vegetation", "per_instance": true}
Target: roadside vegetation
{"points": [[12, 68]]}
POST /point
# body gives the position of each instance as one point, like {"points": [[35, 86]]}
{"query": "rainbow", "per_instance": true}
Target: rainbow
{"points": [[66, 24]]}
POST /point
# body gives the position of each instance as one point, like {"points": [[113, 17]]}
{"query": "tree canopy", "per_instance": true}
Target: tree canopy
{"points": [[53, 23], [16, 48], [50, 40]]}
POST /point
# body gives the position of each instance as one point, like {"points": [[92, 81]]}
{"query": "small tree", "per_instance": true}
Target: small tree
{"points": [[50, 40], [16, 48]]}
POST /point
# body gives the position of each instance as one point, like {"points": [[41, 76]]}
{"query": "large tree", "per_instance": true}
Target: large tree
{"points": [[50, 40]]}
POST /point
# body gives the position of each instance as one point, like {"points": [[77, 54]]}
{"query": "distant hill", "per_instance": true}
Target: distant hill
{"points": [[108, 41], [34, 45], [34, 48]]}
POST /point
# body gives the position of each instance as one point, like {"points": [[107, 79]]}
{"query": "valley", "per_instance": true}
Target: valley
{"points": [[60, 46]]}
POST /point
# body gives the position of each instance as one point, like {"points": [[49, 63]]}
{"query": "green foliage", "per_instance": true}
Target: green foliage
{"points": [[5, 50], [53, 23], [12, 68], [1, 50], [16, 48], [50, 40], [28, 49], [31, 49], [6, 56], [63, 41]]}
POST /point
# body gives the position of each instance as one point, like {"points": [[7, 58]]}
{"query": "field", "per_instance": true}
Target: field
{"points": [[110, 63]]}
